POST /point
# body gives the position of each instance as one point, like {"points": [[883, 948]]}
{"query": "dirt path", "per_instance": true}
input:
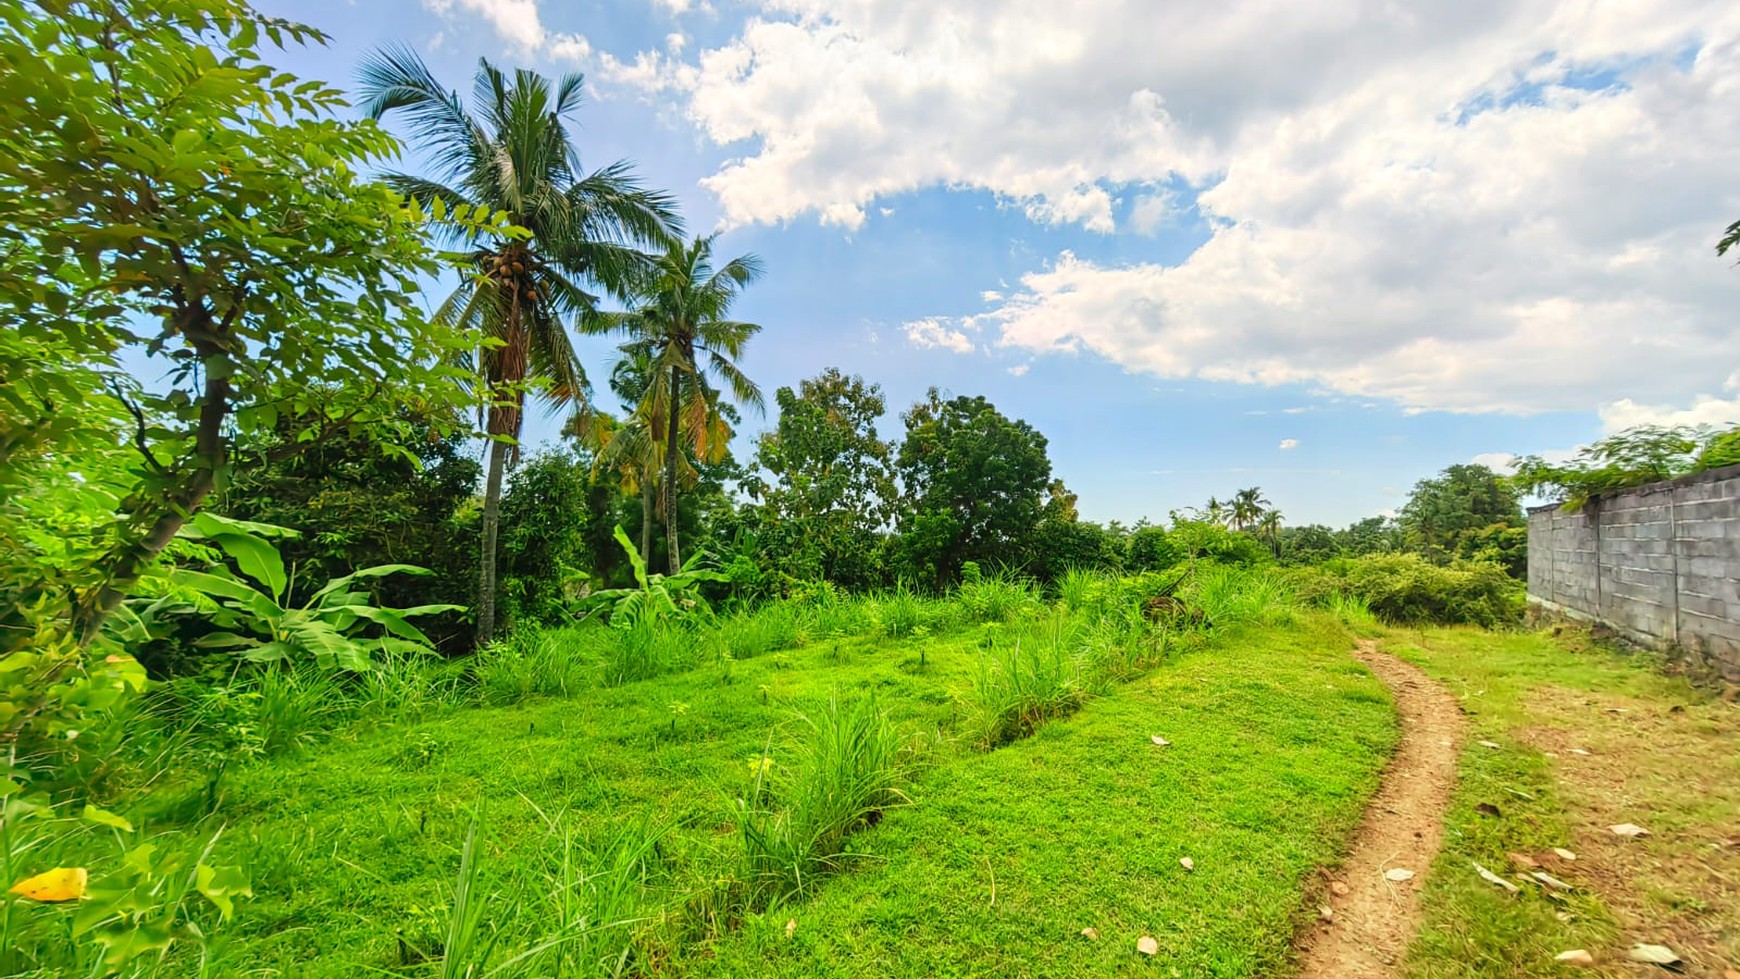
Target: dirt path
{"points": [[1372, 916]]}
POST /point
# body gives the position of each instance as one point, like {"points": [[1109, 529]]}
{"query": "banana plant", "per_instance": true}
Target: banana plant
{"points": [[337, 627], [655, 595]]}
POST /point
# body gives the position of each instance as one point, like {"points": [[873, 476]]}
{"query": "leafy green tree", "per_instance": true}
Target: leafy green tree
{"points": [[1309, 544], [1730, 238], [679, 323], [1373, 535], [514, 154], [1634, 457], [828, 493], [165, 188], [1461, 499], [975, 485], [545, 552], [1151, 549], [1268, 527]]}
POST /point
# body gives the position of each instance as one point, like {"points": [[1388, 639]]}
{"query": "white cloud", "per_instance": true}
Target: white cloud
{"points": [[1704, 410], [1289, 444], [1424, 203], [1498, 462], [1020, 370], [518, 22], [935, 334]]}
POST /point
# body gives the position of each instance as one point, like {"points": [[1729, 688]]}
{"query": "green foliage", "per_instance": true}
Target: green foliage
{"points": [[975, 484], [1206, 541], [1408, 588], [1309, 544], [1460, 501], [528, 663], [1028, 675], [829, 490], [772, 627], [1151, 549], [543, 548], [647, 648], [658, 597], [1233, 595], [1635, 457], [995, 597], [844, 774], [337, 627]]}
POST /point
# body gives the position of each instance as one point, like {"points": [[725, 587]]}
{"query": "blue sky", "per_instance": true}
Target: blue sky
{"points": [[1325, 251]]}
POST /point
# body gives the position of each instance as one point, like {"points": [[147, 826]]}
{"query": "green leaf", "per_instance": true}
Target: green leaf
{"points": [[213, 585], [258, 560], [220, 885], [103, 817]]}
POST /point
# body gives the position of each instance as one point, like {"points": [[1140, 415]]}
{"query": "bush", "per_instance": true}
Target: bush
{"points": [[1028, 675], [1226, 596], [795, 819], [772, 627], [530, 662], [646, 649], [1408, 589], [1151, 549]]}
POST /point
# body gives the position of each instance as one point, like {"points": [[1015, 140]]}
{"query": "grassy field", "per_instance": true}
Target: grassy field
{"points": [[991, 863], [1586, 738]]}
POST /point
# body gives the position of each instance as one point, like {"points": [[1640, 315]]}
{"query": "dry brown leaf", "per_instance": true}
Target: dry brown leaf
{"points": [[1339, 888], [1492, 878], [1398, 874], [1629, 831], [1159, 741], [1488, 809], [1578, 751], [1523, 860], [790, 927], [1490, 744], [1325, 912], [1575, 956], [1653, 954], [1187, 863], [1147, 945], [1091, 934], [1564, 854]]}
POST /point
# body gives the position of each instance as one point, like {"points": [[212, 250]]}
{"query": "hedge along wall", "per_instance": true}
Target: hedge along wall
{"points": [[1659, 564]]}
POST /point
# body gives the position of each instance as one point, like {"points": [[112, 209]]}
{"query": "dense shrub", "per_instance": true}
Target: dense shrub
{"points": [[995, 597], [1407, 588], [1151, 549]]}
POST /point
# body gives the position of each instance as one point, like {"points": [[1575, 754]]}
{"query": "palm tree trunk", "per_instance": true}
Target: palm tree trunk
{"points": [[486, 561], [676, 560], [646, 514]]}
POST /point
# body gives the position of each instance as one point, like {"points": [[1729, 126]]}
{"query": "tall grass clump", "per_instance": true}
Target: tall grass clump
{"points": [[772, 627], [830, 614], [531, 663], [900, 613], [646, 648], [1027, 676], [402, 685], [996, 597], [1231, 595], [794, 821], [1351, 609], [1084, 591]]}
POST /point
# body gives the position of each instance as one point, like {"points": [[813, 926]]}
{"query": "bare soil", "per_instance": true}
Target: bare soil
{"points": [[1372, 917]]}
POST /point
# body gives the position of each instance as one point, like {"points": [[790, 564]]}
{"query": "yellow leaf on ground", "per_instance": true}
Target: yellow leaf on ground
{"points": [[1148, 945], [59, 884]]}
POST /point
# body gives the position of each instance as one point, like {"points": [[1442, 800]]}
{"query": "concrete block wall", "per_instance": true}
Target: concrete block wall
{"points": [[1659, 564]]}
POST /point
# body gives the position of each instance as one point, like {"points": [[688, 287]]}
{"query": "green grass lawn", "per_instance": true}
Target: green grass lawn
{"points": [[1000, 861]]}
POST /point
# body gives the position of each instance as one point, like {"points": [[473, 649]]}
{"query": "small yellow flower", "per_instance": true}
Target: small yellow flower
{"points": [[759, 767]]}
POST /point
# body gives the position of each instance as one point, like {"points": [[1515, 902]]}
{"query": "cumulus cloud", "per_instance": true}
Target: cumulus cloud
{"points": [[1289, 444], [1487, 205], [519, 23], [936, 334], [1704, 410], [1020, 370]]}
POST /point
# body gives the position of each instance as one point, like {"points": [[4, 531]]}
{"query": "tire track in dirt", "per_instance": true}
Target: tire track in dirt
{"points": [[1372, 917]]}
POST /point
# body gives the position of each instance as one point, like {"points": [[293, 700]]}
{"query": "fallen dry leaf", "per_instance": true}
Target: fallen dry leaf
{"points": [[1158, 740], [1147, 945], [59, 884], [1578, 751], [1564, 854], [1551, 881], [1523, 860], [1339, 889], [1398, 874], [1187, 863], [1653, 954], [1490, 744], [790, 927], [1325, 912], [1575, 956], [1488, 809], [1492, 878], [1091, 934], [1629, 831]]}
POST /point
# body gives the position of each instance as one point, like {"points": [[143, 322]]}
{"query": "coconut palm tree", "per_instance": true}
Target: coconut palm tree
{"points": [[1214, 511], [1269, 527], [679, 323], [1247, 508], [514, 154]]}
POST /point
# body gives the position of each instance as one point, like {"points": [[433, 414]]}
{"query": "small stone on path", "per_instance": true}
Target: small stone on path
{"points": [[1628, 830], [1575, 956], [1398, 874]]}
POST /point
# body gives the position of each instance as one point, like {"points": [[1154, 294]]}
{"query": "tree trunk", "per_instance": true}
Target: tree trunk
{"points": [[129, 559], [676, 559], [486, 561], [646, 514]]}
